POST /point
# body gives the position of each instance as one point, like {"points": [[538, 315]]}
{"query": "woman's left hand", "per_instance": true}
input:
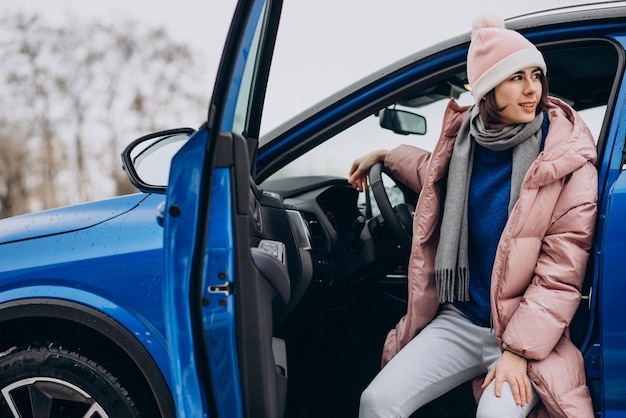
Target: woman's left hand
{"points": [[513, 369]]}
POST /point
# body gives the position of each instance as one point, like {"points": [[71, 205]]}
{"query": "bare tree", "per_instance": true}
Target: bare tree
{"points": [[151, 78], [13, 170], [29, 104], [76, 94]]}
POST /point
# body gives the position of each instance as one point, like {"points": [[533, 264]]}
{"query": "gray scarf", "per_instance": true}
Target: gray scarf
{"points": [[451, 261]]}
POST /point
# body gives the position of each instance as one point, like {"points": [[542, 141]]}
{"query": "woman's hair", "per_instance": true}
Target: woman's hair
{"points": [[491, 112]]}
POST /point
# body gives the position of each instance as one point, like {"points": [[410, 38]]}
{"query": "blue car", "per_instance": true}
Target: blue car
{"points": [[248, 279]]}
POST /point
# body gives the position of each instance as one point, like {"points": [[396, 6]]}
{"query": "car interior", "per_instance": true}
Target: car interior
{"points": [[342, 255]]}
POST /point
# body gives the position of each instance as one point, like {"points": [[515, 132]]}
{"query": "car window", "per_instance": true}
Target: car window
{"points": [[594, 117], [335, 156], [250, 58], [243, 98]]}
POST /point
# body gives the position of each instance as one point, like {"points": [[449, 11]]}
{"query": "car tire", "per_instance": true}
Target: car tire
{"points": [[46, 380]]}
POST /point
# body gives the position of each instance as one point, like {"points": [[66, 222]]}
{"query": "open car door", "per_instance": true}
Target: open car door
{"points": [[612, 293], [610, 363], [220, 348]]}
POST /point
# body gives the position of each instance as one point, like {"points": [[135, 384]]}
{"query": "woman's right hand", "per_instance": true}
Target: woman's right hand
{"points": [[360, 169]]}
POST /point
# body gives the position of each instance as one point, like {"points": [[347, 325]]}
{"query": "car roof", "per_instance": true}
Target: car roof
{"points": [[599, 10]]}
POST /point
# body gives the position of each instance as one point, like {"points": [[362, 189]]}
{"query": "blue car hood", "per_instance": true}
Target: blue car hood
{"points": [[65, 219]]}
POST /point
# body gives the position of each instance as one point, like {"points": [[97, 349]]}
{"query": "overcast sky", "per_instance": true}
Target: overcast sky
{"points": [[323, 45]]}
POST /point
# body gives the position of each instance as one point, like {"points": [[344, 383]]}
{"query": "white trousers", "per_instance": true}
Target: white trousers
{"points": [[448, 352]]}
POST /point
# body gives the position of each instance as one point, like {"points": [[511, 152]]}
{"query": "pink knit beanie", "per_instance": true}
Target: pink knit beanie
{"points": [[495, 53]]}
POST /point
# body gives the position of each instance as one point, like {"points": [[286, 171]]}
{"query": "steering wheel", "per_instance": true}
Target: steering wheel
{"points": [[399, 219]]}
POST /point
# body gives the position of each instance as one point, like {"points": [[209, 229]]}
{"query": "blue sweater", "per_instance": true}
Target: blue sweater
{"points": [[487, 210], [487, 206]]}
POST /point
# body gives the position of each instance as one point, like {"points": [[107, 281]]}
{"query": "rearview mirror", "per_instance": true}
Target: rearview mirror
{"points": [[402, 122], [147, 160]]}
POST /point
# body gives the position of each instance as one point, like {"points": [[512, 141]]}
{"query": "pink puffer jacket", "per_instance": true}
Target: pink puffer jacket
{"points": [[540, 261]]}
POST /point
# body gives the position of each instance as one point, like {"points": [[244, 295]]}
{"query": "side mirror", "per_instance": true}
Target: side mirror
{"points": [[147, 160], [402, 122]]}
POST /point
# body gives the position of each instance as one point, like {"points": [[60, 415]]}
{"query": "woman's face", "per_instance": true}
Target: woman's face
{"points": [[519, 95]]}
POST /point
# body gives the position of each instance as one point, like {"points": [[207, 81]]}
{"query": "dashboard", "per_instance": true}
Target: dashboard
{"points": [[326, 230]]}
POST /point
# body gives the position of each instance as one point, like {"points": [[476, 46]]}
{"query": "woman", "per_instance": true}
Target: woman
{"points": [[501, 236]]}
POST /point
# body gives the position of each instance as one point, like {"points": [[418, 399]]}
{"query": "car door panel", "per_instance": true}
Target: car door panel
{"points": [[181, 225], [613, 334]]}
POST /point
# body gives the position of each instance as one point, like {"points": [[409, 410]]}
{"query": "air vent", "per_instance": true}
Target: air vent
{"points": [[318, 236]]}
